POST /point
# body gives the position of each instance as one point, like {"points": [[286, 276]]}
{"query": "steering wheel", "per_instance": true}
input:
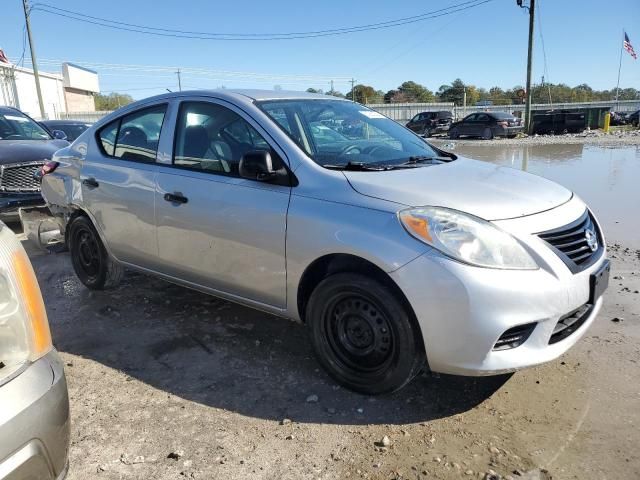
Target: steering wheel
{"points": [[373, 148], [350, 150]]}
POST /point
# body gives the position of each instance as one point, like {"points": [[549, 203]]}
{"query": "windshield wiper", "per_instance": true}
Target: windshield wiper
{"points": [[425, 159], [356, 167]]}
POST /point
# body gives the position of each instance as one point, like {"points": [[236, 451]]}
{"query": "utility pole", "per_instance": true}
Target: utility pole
{"points": [[179, 81], [353, 93], [331, 87], [33, 58], [527, 107]]}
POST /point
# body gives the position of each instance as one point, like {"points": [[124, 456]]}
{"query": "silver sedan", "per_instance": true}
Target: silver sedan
{"points": [[397, 255]]}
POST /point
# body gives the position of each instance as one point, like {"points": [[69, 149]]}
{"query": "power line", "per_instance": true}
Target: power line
{"points": [[53, 10]]}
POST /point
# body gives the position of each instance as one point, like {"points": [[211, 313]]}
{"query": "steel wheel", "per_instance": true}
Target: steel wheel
{"points": [[359, 333], [363, 334]]}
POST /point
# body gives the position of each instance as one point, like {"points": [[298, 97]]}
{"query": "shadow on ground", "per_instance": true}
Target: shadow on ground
{"points": [[226, 356]]}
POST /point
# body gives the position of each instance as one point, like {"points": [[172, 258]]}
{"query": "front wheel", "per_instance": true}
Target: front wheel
{"points": [[426, 132], [453, 133], [91, 262], [363, 335]]}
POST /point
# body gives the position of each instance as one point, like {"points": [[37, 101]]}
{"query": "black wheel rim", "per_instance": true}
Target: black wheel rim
{"points": [[88, 252], [359, 333]]}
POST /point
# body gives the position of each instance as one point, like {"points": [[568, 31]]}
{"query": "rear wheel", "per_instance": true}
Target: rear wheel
{"points": [[363, 335], [487, 134], [91, 262]]}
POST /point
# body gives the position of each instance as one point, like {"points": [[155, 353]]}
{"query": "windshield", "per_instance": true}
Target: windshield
{"points": [[17, 126], [335, 132]]}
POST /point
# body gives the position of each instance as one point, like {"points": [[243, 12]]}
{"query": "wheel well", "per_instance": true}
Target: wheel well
{"points": [[72, 216], [341, 263]]}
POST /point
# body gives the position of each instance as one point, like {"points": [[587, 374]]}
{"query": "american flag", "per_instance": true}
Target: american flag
{"points": [[628, 47]]}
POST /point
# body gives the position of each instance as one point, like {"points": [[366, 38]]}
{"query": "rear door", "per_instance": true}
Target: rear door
{"points": [[214, 228], [118, 183], [480, 122], [466, 126]]}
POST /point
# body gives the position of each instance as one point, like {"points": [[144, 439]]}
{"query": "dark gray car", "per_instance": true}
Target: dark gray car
{"points": [[24, 147], [487, 125]]}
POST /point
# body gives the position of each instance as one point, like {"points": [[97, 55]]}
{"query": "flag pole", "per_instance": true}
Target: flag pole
{"points": [[619, 68]]}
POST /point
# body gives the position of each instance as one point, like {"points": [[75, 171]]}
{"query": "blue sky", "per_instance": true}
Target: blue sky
{"points": [[485, 45]]}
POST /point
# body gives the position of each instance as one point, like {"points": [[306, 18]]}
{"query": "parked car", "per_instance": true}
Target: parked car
{"points": [[71, 128], [428, 123], [396, 254], [486, 125], [559, 122], [633, 118], [34, 418], [24, 147]]}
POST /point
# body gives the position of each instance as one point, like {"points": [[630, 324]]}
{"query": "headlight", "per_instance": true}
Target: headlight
{"points": [[466, 238], [24, 329]]}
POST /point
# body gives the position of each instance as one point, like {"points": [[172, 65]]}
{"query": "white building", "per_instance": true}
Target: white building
{"points": [[70, 91]]}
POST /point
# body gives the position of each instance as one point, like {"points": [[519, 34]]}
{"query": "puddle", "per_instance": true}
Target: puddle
{"points": [[607, 178]]}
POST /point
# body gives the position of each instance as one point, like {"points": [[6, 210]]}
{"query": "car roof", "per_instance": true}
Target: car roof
{"points": [[5, 110], [256, 95], [64, 122]]}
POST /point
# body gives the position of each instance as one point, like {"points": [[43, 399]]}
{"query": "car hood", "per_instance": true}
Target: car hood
{"points": [[18, 151], [482, 189]]}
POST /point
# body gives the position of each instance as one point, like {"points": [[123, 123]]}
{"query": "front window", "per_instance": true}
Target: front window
{"points": [[15, 125], [334, 133]]}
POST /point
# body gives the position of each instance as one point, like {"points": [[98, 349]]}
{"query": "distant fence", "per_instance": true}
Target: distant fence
{"points": [[89, 117], [403, 112]]}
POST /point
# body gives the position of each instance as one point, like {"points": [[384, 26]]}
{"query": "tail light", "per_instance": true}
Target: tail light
{"points": [[45, 169], [503, 124]]}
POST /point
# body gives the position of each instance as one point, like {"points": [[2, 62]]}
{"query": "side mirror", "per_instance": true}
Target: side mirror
{"points": [[257, 165], [59, 135]]}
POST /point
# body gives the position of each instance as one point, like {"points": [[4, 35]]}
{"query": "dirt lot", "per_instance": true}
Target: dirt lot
{"points": [[167, 383]]}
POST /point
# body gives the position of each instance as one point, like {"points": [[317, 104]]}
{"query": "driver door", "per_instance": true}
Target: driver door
{"points": [[214, 228]]}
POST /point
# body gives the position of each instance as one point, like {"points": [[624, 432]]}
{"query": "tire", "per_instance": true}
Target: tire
{"points": [[487, 134], [363, 335], [426, 132], [91, 262], [453, 133]]}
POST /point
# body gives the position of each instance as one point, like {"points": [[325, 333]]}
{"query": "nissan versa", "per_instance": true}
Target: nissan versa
{"points": [[396, 255], [34, 405]]}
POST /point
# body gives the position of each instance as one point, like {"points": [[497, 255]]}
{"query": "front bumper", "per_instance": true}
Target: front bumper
{"points": [[463, 310], [10, 204], [34, 422]]}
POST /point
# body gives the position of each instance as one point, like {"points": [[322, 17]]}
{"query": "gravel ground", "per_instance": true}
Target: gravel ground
{"points": [[593, 137], [167, 383]]}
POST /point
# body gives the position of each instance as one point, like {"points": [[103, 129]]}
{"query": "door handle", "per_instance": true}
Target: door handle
{"points": [[91, 183], [176, 197]]}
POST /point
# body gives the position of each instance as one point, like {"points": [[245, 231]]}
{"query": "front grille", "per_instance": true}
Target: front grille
{"points": [[578, 244], [570, 322], [514, 337], [19, 177]]}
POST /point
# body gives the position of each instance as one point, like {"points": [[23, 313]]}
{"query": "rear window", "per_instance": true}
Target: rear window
{"points": [[502, 116], [135, 136]]}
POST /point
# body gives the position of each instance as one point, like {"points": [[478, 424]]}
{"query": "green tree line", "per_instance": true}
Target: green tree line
{"points": [[413, 92]]}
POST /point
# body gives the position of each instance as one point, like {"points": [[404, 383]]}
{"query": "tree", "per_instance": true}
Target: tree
{"points": [[416, 93], [112, 101], [334, 93], [313, 90], [455, 93], [365, 94]]}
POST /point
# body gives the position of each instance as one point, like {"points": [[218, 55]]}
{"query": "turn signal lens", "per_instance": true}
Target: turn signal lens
{"points": [[31, 297]]}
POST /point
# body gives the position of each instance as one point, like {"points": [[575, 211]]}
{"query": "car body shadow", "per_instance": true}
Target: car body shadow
{"points": [[223, 355]]}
